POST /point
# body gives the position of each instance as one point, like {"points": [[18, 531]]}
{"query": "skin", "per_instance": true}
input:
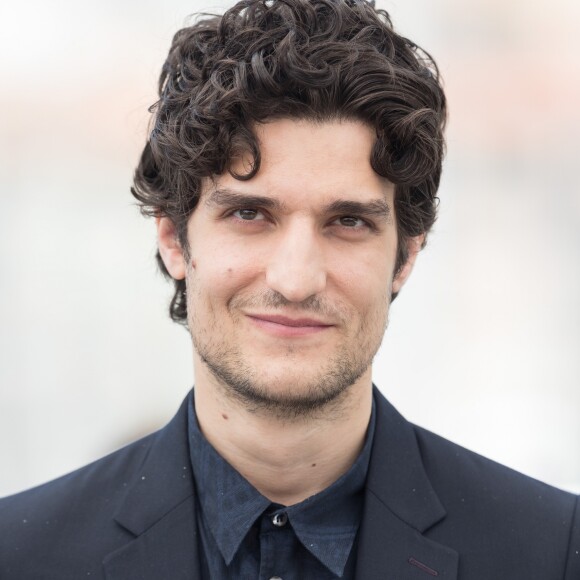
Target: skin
{"points": [[288, 299]]}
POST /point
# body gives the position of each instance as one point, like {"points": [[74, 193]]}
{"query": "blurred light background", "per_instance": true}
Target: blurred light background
{"points": [[483, 344]]}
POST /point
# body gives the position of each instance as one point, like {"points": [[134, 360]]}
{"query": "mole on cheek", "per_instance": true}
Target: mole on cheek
{"points": [[230, 271], [225, 416]]}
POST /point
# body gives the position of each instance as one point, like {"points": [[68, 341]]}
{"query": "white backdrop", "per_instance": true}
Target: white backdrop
{"points": [[483, 344]]}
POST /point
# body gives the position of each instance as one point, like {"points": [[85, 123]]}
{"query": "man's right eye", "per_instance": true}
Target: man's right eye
{"points": [[248, 214]]}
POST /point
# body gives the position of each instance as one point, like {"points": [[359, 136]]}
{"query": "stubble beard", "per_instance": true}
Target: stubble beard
{"points": [[323, 394]]}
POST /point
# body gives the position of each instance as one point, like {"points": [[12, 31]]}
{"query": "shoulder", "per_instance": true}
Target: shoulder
{"points": [[105, 474], [75, 510], [498, 516], [65, 528], [460, 475], [456, 474], [489, 514]]}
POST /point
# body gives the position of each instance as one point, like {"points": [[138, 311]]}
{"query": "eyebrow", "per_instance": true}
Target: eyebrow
{"points": [[223, 197], [377, 208], [228, 197]]}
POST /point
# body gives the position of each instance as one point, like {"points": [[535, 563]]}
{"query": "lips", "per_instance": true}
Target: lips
{"points": [[286, 327], [285, 321]]}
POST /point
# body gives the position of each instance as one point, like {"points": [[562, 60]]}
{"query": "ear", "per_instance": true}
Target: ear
{"points": [[414, 246], [170, 248]]}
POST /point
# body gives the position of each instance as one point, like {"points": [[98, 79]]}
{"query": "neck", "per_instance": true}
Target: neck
{"points": [[287, 461]]}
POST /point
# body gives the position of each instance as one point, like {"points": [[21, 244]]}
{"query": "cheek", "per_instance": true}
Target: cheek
{"points": [[366, 279], [219, 274]]}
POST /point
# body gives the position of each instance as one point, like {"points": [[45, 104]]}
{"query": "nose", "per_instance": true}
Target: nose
{"points": [[296, 267]]}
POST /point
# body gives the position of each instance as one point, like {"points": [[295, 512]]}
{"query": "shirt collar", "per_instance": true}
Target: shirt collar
{"points": [[325, 523]]}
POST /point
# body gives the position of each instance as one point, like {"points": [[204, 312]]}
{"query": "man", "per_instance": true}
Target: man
{"points": [[292, 169]]}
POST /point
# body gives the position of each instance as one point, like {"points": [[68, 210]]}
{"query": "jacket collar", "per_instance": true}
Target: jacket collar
{"points": [[159, 509], [400, 505]]}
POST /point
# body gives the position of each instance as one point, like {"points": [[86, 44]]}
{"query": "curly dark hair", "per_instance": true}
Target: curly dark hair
{"points": [[304, 59]]}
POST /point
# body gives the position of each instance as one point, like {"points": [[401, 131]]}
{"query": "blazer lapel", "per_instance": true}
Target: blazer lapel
{"points": [[167, 550], [400, 505], [159, 509]]}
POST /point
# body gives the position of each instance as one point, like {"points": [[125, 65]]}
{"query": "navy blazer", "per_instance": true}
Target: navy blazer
{"points": [[432, 509]]}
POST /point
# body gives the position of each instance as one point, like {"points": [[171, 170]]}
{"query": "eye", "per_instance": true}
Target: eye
{"points": [[248, 214], [351, 222]]}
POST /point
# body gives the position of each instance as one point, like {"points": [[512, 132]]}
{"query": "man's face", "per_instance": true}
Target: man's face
{"points": [[291, 272]]}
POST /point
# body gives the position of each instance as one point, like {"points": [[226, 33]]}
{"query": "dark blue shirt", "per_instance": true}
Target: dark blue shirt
{"points": [[243, 535]]}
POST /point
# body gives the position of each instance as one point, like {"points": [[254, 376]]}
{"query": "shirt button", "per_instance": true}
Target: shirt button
{"points": [[275, 578], [279, 520]]}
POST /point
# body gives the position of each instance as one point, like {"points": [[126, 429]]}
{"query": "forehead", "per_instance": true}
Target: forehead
{"points": [[305, 162]]}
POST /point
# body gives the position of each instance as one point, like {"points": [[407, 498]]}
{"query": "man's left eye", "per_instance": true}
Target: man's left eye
{"points": [[351, 222]]}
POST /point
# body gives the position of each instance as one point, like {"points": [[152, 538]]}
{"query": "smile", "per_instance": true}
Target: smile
{"points": [[288, 327]]}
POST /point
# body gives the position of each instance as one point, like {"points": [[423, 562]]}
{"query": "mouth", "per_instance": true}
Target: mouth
{"points": [[285, 326]]}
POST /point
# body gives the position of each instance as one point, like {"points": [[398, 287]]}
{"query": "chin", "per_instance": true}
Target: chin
{"points": [[291, 395]]}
